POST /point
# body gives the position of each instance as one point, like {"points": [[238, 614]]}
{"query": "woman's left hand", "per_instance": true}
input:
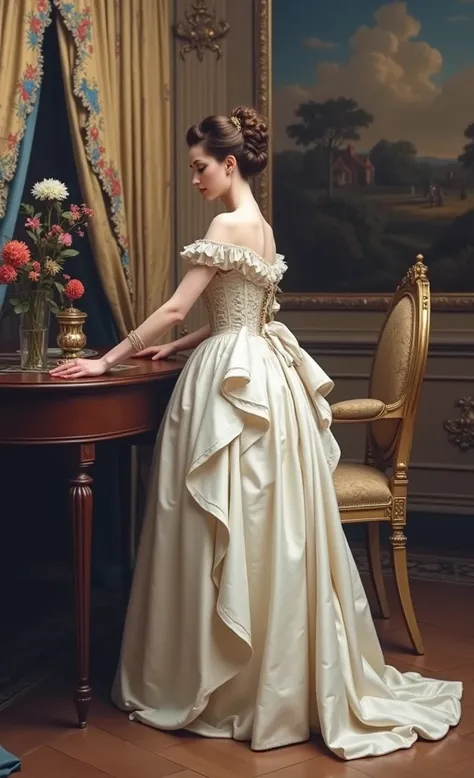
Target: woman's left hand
{"points": [[79, 368]]}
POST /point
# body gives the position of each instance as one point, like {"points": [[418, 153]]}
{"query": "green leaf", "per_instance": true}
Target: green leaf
{"points": [[59, 287], [15, 300], [29, 209], [67, 215], [69, 253], [22, 307], [57, 207], [38, 215], [32, 235], [54, 306]]}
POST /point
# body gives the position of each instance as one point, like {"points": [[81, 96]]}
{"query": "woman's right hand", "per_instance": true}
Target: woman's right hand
{"points": [[158, 352]]}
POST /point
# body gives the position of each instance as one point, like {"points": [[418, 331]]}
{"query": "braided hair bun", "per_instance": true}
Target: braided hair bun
{"points": [[255, 134], [243, 134]]}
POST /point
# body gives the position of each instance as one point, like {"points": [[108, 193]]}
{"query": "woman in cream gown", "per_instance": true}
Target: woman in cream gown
{"points": [[247, 617]]}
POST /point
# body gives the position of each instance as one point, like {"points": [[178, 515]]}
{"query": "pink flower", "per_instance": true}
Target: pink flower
{"points": [[74, 289], [16, 253], [65, 238], [30, 73], [36, 267], [116, 187], [12, 140], [75, 212], [86, 211], [80, 233], [35, 24], [8, 274], [55, 230], [66, 278], [33, 223], [33, 276]]}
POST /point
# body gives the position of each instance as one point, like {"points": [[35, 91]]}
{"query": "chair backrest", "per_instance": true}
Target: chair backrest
{"points": [[398, 368]]}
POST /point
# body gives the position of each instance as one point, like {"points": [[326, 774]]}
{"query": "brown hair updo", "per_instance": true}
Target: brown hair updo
{"points": [[243, 135]]}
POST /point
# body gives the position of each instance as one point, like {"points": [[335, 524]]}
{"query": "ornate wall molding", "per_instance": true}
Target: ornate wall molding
{"points": [[461, 430], [370, 302], [201, 31], [263, 59]]}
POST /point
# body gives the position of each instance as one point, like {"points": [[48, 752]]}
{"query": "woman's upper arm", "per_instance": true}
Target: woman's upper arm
{"points": [[199, 276], [191, 288]]}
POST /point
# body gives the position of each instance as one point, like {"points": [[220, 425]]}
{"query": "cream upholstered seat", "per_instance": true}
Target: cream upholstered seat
{"points": [[377, 490], [362, 486]]}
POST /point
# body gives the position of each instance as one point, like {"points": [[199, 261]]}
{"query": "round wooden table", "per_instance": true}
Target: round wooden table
{"points": [[125, 404]]}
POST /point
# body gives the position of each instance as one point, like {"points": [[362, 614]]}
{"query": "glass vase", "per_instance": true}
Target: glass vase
{"points": [[34, 330]]}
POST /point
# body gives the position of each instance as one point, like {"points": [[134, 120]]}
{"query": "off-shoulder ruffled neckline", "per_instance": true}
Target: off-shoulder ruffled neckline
{"points": [[272, 272], [278, 257]]}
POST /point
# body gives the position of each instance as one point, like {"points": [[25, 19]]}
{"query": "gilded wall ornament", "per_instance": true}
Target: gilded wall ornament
{"points": [[201, 31], [461, 430]]}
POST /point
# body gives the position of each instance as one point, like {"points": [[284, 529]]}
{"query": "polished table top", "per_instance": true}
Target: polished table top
{"points": [[129, 400], [130, 371]]}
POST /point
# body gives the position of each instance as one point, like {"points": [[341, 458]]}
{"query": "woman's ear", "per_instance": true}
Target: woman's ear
{"points": [[230, 164]]}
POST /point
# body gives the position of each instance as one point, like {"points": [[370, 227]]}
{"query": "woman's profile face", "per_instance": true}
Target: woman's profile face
{"points": [[209, 175]]}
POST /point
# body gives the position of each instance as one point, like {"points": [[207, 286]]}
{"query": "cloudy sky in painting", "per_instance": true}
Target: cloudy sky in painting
{"points": [[410, 64]]}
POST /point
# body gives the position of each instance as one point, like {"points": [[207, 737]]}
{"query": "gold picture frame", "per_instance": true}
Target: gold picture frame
{"points": [[316, 301]]}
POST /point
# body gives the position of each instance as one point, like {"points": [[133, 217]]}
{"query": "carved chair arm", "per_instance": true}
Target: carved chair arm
{"points": [[358, 411]]}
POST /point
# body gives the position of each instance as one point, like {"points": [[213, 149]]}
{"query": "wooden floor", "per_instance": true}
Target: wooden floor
{"points": [[39, 727]]}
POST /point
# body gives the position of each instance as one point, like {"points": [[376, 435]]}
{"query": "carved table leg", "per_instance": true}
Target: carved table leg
{"points": [[80, 501]]}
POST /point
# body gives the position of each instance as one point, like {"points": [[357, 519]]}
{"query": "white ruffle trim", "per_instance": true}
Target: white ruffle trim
{"points": [[227, 256]]}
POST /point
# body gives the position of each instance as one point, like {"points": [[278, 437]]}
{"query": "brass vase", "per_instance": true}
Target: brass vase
{"points": [[71, 338]]}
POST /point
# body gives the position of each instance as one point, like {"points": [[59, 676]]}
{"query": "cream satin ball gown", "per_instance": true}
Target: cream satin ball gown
{"points": [[247, 617]]}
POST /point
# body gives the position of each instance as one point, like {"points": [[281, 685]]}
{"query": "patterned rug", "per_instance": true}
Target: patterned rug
{"points": [[425, 567], [29, 652]]}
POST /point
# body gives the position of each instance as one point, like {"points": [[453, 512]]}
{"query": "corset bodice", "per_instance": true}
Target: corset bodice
{"points": [[242, 291], [233, 302]]}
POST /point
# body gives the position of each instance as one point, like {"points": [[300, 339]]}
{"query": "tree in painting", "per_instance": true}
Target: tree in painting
{"points": [[466, 158], [329, 124], [395, 163]]}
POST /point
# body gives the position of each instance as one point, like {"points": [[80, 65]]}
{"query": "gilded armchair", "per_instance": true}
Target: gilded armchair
{"points": [[376, 491]]}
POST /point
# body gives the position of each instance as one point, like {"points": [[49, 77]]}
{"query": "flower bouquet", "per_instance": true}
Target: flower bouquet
{"points": [[41, 285]]}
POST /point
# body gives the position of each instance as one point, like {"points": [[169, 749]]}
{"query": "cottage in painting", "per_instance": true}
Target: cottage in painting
{"points": [[352, 169]]}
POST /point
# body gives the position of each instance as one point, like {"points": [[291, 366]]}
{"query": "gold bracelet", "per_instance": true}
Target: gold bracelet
{"points": [[136, 341]]}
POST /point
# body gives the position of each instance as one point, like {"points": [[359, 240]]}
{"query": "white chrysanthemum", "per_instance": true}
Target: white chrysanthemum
{"points": [[49, 189]]}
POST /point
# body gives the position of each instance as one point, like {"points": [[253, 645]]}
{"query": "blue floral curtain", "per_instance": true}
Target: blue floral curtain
{"points": [[15, 192]]}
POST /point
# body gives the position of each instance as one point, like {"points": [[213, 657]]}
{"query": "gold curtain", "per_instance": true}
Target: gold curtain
{"points": [[143, 43], [22, 26], [116, 56]]}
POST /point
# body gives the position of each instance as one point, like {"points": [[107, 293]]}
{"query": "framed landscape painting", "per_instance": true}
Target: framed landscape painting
{"points": [[372, 116]]}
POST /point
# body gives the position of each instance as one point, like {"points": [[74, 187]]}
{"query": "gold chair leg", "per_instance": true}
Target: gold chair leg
{"points": [[399, 556], [375, 567]]}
